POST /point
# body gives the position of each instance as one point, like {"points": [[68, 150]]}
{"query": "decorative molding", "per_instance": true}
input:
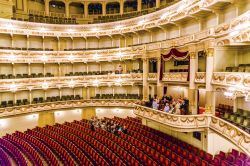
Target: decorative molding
{"points": [[152, 76], [200, 77], [203, 121], [237, 79], [9, 111], [175, 77], [79, 81]]}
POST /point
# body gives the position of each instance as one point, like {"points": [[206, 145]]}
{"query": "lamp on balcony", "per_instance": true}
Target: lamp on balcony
{"points": [[13, 87], [45, 85], [71, 83]]}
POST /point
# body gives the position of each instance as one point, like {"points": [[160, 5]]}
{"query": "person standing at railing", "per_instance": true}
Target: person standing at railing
{"points": [[119, 69], [166, 108], [155, 104]]}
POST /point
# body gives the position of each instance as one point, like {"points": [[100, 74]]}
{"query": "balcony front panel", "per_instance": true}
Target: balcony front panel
{"points": [[200, 77], [77, 81], [175, 77], [175, 13], [235, 79], [15, 110]]}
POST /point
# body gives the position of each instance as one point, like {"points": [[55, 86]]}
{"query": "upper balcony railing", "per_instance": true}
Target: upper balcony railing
{"points": [[165, 16], [198, 122], [15, 110], [75, 81]]}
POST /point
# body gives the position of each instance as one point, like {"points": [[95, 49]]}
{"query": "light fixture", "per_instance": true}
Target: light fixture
{"points": [[71, 83], [141, 22], [42, 29], [70, 30], [96, 83], [13, 87], [3, 123], [164, 15], [96, 56], [71, 58], [94, 30], [231, 89], [44, 58], [12, 57], [118, 27], [32, 116], [228, 94], [45, 85], [9, 26]]}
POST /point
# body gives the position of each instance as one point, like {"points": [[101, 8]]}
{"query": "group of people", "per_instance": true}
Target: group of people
{"points": [[107, 125], [169, 104]]}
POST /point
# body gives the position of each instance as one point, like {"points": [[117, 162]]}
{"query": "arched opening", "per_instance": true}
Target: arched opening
{"points": [[76, 10], [130, 6], [113, 8], [148, 4], [95, 8], [56, 7]]}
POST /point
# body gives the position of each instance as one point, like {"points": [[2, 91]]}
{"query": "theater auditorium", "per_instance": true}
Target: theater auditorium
{"points": [[124, 82]]}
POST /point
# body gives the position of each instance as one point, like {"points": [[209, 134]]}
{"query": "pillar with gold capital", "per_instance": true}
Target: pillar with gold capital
{"points": [[47, 7], [121, 7], [159, 82], [103, 8], [88, 113], [210, 96], [139, 5], [86, 10], [158, 3], [145, 79], [67, 9], [192, 92]]}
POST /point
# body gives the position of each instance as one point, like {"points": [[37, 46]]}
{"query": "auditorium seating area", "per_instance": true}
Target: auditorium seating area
{"points": [[37, 100], [76, 144], [240, 68], [32, 75], [117, 96], [25, 49], [240, 118]]}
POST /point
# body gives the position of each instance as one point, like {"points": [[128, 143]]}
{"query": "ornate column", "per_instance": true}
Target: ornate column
{"points": [[47, 7], [192, 92], [210, 97], [67, 9], [158, 3], [121, 7], [104, 8], [139, 5], [159, 82], [145, 89], [86, 9], [25, 6]]}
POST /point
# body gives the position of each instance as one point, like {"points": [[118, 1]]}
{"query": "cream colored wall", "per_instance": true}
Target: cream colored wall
{"points": [[158, 35], [36, 68], [221, 99], [80, 67], [5, 40], [242, 104], [35, 42], [66, 68], [202, 97], [52, 92], [219, 59], [177, 91], [37, 93], [105, 42], [21, 68], [5, 96], [67, 91], [19, 41], [51, 43], [94, 66], [217, 143], [79, 43], [189, 28], [51, 68], [210, 21], [92, 42], [6, 68], [22, 95], [229, 13]]}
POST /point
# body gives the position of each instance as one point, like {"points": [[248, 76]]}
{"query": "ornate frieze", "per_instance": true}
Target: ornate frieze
{"points": [[237, 79], [76, 81], [175, 77], [152, 76], [200, 77]]}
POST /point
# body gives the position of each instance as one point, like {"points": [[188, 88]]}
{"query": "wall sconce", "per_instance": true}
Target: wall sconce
{"points": [[71, 83], [13, 87], [45, 85]]}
